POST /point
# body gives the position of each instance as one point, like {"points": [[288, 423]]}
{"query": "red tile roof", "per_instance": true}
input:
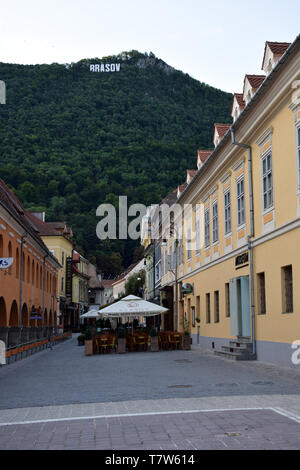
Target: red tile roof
{"points": [[204, 154], [12, 204], [278, 48], [107, 283], [255, 80], [44, 228], [192, 173], [239, 98], [222, 129]]}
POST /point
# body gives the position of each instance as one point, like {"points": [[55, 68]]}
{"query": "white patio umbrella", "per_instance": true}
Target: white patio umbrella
{"points": [[91, 314], [132, 306]]}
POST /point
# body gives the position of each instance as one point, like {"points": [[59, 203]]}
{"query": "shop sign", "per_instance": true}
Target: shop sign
{"points": [[187, 289], [69, 277], [242, 260]]}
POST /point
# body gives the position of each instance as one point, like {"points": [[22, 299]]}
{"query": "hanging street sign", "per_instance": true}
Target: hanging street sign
{"points": [[6, 263]]}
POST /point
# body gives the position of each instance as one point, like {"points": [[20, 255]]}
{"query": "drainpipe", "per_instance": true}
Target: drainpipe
{"points": [[250, 247]]}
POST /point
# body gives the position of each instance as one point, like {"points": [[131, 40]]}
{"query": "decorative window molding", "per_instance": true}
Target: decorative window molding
{"points": [[267, 134], [239, 164]]}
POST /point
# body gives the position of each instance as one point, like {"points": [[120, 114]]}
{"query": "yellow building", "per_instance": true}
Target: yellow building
{"points": [[57, 236], [241, 227], [80, 301]]}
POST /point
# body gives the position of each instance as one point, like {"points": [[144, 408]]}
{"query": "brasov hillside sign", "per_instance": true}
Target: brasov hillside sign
{"points": [[105, 67]]}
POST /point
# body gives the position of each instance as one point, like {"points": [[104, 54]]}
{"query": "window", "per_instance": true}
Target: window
{"points": [[207, 308], [215, 222], [267, 181], [240, 202], [62, 284], [206, 228], [227, 214], [287, 283], [63, 258], [158, 271], [227, 299], [217, 308], [261, 288]]}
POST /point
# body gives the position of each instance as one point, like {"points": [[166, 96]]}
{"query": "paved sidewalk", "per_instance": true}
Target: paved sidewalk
{"points": [[226, 430], [64, 399]]}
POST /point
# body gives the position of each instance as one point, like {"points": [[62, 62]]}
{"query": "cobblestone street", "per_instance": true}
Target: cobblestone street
{"points": [[62, 399]]}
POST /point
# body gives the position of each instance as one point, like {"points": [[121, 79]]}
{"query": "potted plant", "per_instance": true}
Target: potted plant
{"points": [[121, 340], [186, 340], [88, 343], [81, 339], [154, 339]]}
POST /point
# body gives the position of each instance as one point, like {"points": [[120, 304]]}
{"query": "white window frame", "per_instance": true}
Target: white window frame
{"points": [[206, 228], [240, 197], [227, 210], [266, 176], [215, 222]]}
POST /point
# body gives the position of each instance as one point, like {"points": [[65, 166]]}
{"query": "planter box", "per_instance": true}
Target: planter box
{"points": [[89, 347], [154, 344], [121, 345], [186, 342]]}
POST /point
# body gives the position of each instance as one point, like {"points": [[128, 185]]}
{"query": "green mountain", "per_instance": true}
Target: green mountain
{"points": [[72, 139]]}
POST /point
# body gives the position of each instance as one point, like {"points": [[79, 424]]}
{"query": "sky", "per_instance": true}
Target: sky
{"points": [[216, 42]]}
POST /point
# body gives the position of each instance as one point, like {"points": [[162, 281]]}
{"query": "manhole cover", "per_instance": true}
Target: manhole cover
{"points": [[261, 382], [180, 386]]}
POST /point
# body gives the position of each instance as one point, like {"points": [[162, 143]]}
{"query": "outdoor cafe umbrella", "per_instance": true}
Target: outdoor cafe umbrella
{"points": [[91, 314], [132, 306]]}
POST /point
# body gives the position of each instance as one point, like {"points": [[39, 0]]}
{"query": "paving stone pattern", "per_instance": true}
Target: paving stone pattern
{"points": [[229, 430]]}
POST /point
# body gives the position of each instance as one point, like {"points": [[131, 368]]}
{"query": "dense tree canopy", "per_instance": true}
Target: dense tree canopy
{"points": [[71, 139]]}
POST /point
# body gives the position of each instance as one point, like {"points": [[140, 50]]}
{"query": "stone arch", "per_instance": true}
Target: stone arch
{"points": [[3, 319], [14, 314], [25, 315]]}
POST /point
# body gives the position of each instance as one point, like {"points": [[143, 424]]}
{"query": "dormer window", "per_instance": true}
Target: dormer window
{"points": [[251, 85], [273, 52]]}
